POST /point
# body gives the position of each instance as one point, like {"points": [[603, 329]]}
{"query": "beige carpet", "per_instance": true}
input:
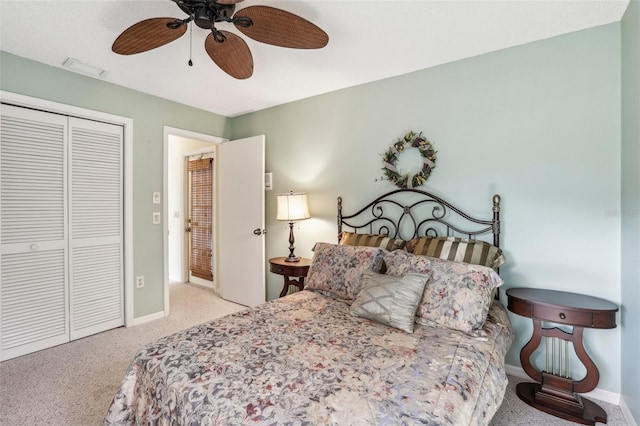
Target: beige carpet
{"points": [[73, 384], [514, 412]]}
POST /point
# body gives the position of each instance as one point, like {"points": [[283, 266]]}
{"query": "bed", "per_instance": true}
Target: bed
{"points": [[381, 334]]}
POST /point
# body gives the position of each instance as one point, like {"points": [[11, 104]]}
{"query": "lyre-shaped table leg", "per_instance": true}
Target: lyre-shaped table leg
{"points": [[554, 393]]}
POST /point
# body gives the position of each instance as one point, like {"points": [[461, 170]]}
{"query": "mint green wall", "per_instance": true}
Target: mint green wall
{"points": [[539, 124], [149, 114], [630, 317]]}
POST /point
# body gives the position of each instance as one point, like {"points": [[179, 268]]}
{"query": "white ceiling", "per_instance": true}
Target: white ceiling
{"points": [[368, 41]]}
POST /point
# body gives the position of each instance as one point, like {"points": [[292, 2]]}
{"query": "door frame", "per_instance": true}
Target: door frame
{"points": [[127, 124], [188, 134]]}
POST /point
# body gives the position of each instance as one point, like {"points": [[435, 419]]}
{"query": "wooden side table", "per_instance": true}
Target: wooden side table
{"points": [[556, 392], [277, 265]]}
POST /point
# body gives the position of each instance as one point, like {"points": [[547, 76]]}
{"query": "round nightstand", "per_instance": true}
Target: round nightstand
{"points": [[299, 269], [554, 391]]}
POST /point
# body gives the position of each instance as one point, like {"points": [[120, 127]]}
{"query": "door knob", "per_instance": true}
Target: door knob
{"points": [[259, 231]]}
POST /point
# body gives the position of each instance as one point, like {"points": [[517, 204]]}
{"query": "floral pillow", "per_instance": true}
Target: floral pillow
{"points": [[458, 295], [336, 270], [390, 300]]}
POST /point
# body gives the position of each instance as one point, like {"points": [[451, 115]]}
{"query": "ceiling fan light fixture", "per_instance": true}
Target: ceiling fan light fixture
{"points": [[84, 68], [203, 18], [227, 50]]}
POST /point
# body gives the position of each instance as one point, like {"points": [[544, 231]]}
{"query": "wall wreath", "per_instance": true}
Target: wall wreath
{"points": [[413, 178]]}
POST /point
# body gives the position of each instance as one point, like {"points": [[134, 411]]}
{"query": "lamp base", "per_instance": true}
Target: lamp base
{"points": [[292, 257]]}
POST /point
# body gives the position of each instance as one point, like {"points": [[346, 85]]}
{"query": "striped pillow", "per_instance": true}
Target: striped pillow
{"points": [[371, 240], [459, 250]]}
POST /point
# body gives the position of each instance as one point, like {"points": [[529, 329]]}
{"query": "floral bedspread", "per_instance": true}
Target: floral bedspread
{"points": [[304, 360]]}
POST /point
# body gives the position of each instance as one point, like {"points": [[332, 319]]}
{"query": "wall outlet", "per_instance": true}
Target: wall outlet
{"points": [[140, 281], [156, 218]]}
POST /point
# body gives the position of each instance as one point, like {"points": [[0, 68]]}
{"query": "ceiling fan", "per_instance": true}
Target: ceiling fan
{"points": [[230, 52]]}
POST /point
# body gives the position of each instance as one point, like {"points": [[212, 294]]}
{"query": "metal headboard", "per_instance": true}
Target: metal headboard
{"points": [[411, 213]]}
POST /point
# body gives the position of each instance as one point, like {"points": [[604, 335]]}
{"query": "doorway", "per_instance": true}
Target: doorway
{"points": [[238, 204], [179, 145]]}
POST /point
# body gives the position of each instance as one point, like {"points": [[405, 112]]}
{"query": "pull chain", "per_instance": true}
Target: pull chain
{"points": [[190, 44]]}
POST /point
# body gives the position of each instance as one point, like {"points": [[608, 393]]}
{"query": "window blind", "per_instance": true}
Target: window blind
{"points": [[201, 193]]}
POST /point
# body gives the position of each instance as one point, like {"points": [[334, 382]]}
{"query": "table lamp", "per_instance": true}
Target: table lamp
{"points": [[292, 207]]}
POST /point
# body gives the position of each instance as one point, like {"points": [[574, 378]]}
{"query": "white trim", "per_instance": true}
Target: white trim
{"points": [[184, 250], [201, 153], [174, 131], [127, 123], [149, 318], [626, 412], [600, 394]]}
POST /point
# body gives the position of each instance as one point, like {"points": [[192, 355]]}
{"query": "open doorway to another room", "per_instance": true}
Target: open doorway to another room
{"points": [[190, 211], [238, 271]]}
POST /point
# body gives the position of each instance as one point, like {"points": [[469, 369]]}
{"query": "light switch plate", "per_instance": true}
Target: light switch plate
{"points": [[268, 181], [156, 218], [156, 198]]}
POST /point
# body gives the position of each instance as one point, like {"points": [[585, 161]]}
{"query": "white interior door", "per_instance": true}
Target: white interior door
{"points": [[61, 222], [241, 263], [34, 310], [96, 231]]}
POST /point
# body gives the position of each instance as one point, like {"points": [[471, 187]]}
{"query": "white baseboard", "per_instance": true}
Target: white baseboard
{"points": [[147, 318], [626, 412], [600, 394]]}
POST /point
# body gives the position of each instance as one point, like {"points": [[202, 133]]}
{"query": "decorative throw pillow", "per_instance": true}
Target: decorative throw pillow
{"points": [[400, 263], [458, 295], [497, 319], [336, 270], [390, 300], [458, 249], [371, 240]]}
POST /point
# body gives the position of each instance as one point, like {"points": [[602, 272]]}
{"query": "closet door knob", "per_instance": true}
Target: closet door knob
{"points": [[34, 247]]}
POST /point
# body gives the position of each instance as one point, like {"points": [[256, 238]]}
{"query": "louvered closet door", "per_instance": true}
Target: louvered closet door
{"points": [[96, 212], [33, 281]]}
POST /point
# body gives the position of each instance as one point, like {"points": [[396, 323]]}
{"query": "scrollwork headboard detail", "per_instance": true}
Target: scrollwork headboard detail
{"points": [[411, 213]]}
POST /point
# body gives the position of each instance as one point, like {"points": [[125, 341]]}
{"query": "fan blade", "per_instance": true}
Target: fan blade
{"points": [[232, 55], [147, 35], [280, 28]]}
